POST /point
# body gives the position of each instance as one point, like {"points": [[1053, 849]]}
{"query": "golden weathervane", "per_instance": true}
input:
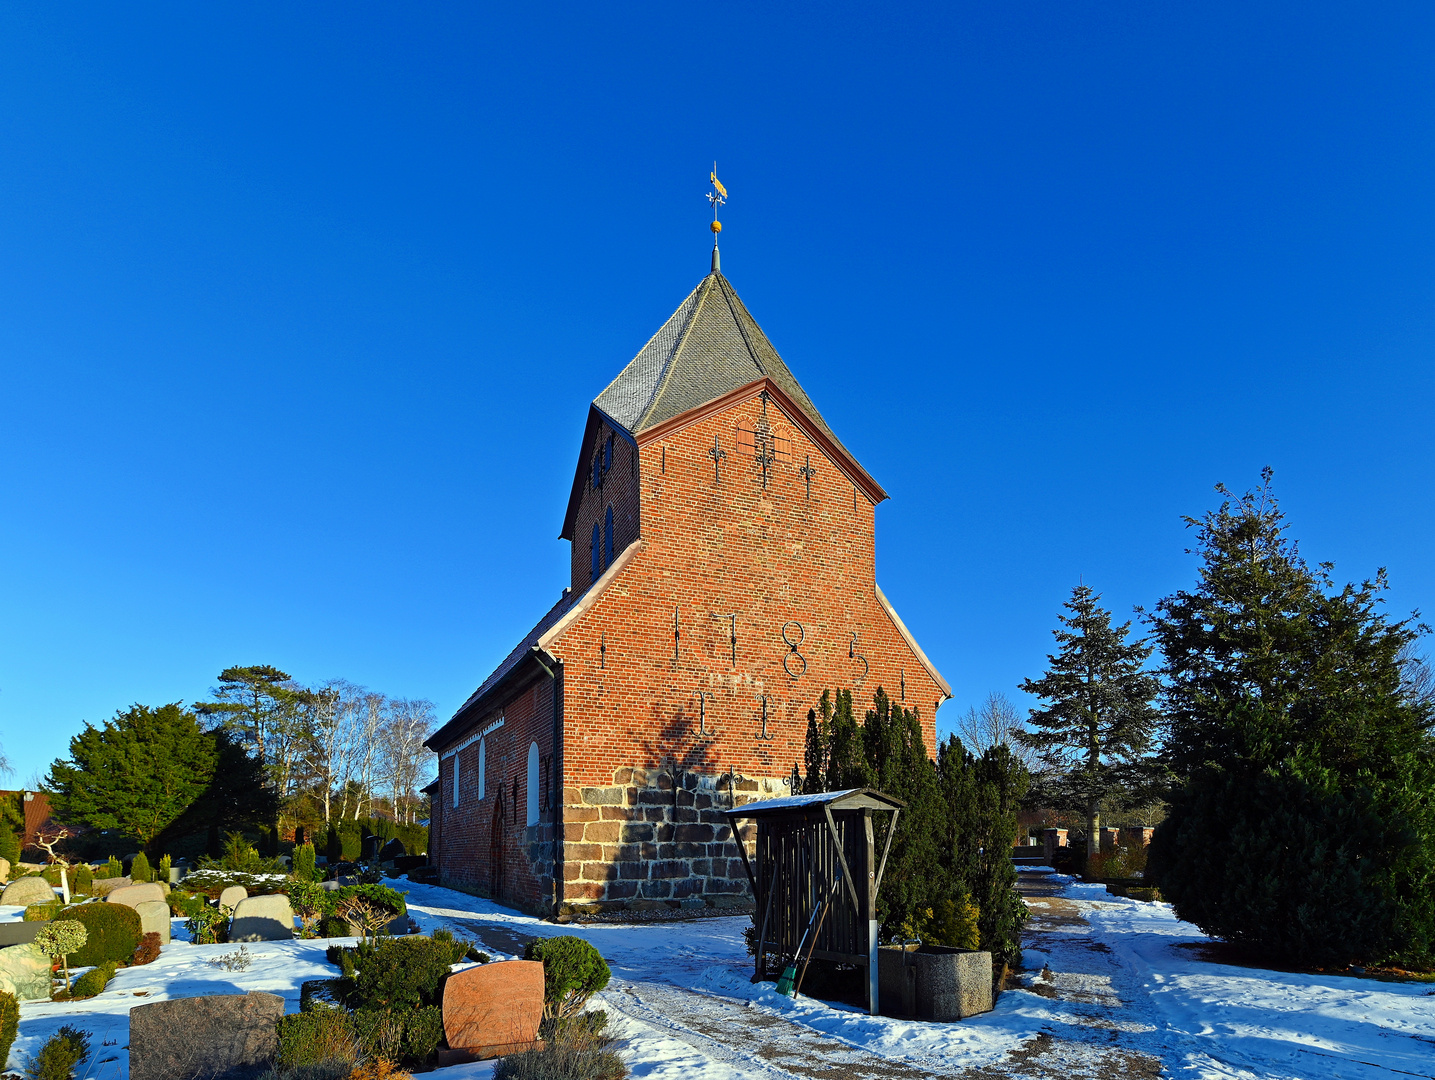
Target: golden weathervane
{"points": [[716, 197]]}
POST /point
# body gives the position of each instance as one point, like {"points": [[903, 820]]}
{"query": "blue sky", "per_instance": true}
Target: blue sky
{"points": [[302, 307]]}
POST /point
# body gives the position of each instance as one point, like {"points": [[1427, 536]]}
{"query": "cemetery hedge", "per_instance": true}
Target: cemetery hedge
{"points": [[114, 932]]}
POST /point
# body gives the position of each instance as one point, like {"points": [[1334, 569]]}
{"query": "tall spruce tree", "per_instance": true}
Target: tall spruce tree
{"points": [[1304, 828], [1101, 720]]}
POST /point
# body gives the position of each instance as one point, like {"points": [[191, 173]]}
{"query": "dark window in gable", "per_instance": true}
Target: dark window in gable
{"points": [[608, 455], [608, 538], [597, 552]]}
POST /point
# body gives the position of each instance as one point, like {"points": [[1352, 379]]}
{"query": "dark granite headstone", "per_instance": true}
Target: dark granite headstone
{"points": [[18, 933], [224, 1037], [370, 848], [392, 850]]}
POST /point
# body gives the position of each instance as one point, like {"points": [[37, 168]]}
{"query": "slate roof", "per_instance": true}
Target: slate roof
{"points": [[709, 346]]}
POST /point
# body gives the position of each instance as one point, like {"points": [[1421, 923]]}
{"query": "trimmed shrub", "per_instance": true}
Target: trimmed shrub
{"points": [[9, 1024], [93, 982], [114, 868], [407, 1035], [304, 862], [572, 972], [369, 907], [397, 973], [317, 1037], [84, 880], [60, 1056], [147, 952], [114, 932], [59, 940], [41, 912], [139, 868], [333, 926], [166, 864]]}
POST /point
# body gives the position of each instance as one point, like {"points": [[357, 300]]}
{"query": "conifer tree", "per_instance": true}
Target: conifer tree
{"points": [[1305, 826], [1100, 720]]}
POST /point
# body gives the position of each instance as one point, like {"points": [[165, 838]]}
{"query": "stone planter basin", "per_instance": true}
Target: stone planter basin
{"points": [[933, 982]]}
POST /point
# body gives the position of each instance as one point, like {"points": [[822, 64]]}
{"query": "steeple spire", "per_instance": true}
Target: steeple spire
{"points": [[716, 197]]}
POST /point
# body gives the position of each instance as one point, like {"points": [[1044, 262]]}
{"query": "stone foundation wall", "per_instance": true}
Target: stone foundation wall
{"points": [[658, 838]]}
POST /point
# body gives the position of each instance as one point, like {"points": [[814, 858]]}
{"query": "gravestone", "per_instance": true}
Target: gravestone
{"points": [[18, 933], [25, 973], [135, 895], [225, 1037], [102, 887], [231, 896], [492, 1010], [369, 848], [392, 850], [154, 918], [263, 918], [25, 891], [4, 871]]}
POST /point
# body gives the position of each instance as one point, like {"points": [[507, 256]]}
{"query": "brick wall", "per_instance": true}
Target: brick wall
{"points": [[717, 548], [618, 489], [525, 853]]}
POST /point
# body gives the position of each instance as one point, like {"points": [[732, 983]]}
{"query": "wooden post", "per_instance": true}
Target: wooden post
{"points": [[871, 905]]}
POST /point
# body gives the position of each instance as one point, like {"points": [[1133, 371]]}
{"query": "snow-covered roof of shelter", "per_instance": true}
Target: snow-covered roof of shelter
{"points": [[847, 799]]}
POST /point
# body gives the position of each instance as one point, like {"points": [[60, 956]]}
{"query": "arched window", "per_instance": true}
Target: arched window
{"points": [[597, 553], [597, 470], [455, 778], [607, 455], [608, 538], [482, 767], [533, 783]]}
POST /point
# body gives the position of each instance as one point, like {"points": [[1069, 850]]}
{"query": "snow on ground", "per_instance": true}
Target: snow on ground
{"points": [[1120, 992]]}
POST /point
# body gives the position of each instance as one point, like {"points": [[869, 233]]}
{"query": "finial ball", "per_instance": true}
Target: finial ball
{"points": [[716, 227]]}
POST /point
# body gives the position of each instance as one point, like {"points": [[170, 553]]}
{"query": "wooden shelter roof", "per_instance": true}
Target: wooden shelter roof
{"points": [[848, 799]]}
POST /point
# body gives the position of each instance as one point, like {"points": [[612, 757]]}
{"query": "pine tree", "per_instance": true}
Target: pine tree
{"points": [[1305, 826], [1100, 721]]}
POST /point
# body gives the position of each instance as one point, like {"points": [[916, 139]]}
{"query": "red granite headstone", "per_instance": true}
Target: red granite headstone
{"points": [[493, 1009]]}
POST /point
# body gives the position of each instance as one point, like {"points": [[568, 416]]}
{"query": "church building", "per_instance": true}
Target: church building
{"points": [[723, 576]]}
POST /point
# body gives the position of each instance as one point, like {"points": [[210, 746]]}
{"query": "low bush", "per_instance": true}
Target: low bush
{"points": [[215, 880], [9, 1024], [113, 932], [166, 864], [572, 972], [573, 1056], [147, 952], [61, 1055], [93, 981], [316, 1038], [42, 912], [396, 973], [84, 880], [139, 868], [409, 1036], [334, 926], [379, 1069]]}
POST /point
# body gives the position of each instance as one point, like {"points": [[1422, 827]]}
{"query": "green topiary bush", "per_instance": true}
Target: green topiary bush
{"points": [[60, 939], [407, 1035], [9, 1024], [396, 973], [84, 882], [573, 971], [93, 982], [114, 868], [58, 1059], [139, 868], [114, 932], [317, 1037], [41, 912]]}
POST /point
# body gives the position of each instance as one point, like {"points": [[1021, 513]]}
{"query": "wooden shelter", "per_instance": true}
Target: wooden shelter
{"points": [[813, 850]]}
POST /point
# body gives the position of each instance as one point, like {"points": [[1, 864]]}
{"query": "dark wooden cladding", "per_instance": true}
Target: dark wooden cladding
{"points": [[796, 862], [802, 845]]}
